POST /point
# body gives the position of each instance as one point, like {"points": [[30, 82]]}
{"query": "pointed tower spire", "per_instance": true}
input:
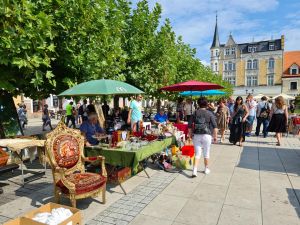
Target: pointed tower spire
{"points": [[216, 42]]}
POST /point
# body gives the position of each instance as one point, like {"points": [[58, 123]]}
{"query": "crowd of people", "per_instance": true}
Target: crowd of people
{"points": [[208, 122], [237, 116]]}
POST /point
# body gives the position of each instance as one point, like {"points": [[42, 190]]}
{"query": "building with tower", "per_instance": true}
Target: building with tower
{"points": [[254, 67]]}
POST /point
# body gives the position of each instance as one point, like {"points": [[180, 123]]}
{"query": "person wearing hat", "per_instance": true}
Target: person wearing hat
{"points": [[91, 128], [161, 117]]}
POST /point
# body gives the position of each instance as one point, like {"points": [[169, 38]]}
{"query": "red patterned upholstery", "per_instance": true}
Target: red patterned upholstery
{"points": [[84, 182], [66, 151]]}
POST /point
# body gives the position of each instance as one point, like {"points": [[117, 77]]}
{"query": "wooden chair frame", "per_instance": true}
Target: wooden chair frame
{"points": [[60, 173]]}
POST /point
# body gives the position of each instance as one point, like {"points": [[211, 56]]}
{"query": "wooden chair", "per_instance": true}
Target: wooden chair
{"points": [[64, 148]]}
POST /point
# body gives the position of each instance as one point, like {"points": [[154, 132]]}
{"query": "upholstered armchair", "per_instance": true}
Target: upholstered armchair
{"points": [[64, 148]]}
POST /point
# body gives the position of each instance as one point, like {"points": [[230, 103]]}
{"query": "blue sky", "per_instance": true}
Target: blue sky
{"points": [[245, 19]]}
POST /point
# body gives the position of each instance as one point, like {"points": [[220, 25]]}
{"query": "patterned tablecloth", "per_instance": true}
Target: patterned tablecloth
{"points": [[119, 157], [17, 144]]}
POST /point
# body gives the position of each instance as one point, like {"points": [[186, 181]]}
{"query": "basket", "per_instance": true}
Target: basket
{"points": [[3, 157]]}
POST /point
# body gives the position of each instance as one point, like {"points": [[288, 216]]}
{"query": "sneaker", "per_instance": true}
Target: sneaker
{"points": [[207, 171], [194, 175]]}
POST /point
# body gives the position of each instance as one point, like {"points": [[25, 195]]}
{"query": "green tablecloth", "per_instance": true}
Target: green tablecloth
{"points": [[119, 157]]}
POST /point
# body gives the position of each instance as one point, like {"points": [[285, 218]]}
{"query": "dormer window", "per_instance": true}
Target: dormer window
{"points": [[294, 69], [249, 48], [217, 53], [254, 48], [271, 47]]}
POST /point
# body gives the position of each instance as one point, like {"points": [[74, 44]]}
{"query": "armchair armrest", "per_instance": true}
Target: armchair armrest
{"points": [[101, 159], [63, 179]]}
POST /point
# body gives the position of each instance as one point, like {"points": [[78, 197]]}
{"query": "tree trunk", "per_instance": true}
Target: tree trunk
{"points": [[158, 105], [116, 101]]}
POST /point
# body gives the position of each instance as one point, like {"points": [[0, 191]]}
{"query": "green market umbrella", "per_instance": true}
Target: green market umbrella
{"points": [[101, 87]]}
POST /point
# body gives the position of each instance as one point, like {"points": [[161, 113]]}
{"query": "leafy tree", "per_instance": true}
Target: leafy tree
{"points": [[48, 46]]}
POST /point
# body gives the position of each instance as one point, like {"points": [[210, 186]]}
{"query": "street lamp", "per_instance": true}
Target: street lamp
{"points": [[249, 91]]}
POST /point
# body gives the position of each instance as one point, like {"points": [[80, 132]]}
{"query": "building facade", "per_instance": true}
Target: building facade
{"points": [[291, 73], [254, 67]]}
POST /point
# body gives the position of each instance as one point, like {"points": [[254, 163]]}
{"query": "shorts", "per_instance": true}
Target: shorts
{"points": [[202, 142], [250, 120]]}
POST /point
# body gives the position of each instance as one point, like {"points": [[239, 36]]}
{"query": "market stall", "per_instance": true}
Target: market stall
{"points": [[18, 146], [129, 158]]}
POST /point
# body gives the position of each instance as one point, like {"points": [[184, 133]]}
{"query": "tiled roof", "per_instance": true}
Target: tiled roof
{"points": [[290, 58]]}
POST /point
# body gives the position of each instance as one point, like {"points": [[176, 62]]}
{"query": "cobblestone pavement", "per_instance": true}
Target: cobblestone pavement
{"points": [[128, 207]]}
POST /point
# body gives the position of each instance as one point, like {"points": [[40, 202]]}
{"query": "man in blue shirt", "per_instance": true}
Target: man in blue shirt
{"points": [[91, 128], [135, 115], [161, 117]]}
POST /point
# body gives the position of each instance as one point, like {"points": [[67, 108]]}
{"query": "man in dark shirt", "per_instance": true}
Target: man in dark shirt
{"points": [[202, 128]]}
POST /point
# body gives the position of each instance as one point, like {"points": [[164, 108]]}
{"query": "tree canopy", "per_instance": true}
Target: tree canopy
{"points": [[48, 46]]}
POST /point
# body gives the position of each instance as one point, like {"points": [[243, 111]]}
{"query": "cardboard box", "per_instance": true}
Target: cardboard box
{"points": [[73, 220], [20, 221]]}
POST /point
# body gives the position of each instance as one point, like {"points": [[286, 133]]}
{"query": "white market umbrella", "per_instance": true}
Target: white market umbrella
{"points": [[259, 96], [285, 96]]}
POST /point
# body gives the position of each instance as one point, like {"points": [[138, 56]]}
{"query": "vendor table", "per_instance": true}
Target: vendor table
{"points": [[18, 145], [182, 127], [125, 158]]}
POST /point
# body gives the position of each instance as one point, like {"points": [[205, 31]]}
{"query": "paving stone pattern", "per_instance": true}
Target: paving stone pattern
{"points": [[124, 210]]}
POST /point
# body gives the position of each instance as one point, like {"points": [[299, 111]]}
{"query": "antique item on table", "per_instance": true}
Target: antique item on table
{"points": [[3, 157], [117, 175], [65, 150]]}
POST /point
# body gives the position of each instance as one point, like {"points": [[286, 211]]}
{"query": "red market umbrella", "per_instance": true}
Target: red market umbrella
{"points": [[192, 85]]}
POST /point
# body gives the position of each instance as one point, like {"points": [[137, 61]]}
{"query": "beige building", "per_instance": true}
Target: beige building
{"points": [[254, 67], [291, 73]]}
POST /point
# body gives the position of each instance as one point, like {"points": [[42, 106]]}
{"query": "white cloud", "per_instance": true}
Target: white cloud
{"points": [[245, 19]]}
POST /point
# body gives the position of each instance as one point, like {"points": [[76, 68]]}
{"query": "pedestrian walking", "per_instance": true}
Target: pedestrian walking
{"points": [[251, 104], [46, 118], [135, 116], [279, 118], [202, 128], [263, 111], [189, 109], [238, 126], [179, 110], [78, 116], [223, 116], [82, 111], [70, 111], [22, 115]]}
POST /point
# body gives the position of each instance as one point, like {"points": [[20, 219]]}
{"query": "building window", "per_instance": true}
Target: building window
{"points": [[270, 81], [55, 101], [227, 51], [293, 86], [217, 53], [251, 81], [216, 66], [233, 66], [271, 63], [225, 66], [249, 48], [271, 46], [255, 64], [249, 65], [254, 49], [230, 80], [230, 66], [232, 51], [294, 71]]}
